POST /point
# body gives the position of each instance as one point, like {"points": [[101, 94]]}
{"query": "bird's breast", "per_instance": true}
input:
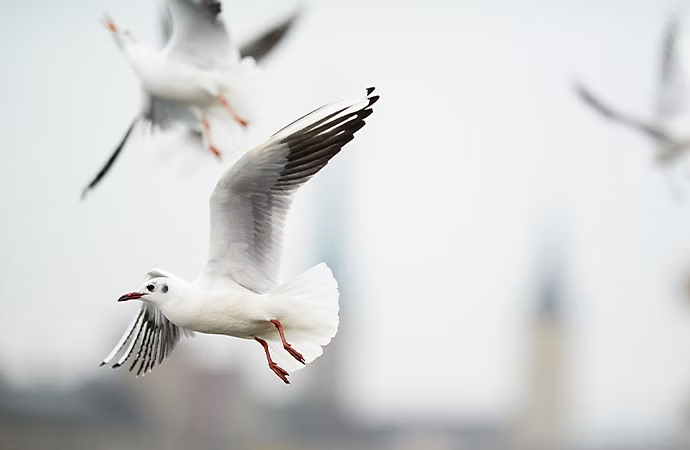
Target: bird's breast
{"points": [[175, 82]]}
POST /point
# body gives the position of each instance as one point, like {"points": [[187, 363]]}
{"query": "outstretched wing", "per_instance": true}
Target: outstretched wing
{"points": [[151, 337], [199, 36], [647, 128], [263, 44], [251, 200], [257, 48]]}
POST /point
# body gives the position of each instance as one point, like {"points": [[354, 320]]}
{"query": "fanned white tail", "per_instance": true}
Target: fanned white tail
{"points": [[308, 311]]}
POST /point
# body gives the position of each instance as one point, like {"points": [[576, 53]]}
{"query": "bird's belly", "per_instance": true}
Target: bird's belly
{"points": [[227, 315]]}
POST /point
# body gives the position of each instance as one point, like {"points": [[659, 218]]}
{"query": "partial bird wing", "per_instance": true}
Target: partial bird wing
{"points": [[672, 86], [163, 114], [199, 36], [258, 48], [263, 44], [252, 198], [109, 163], [158, 113], [151, 335], [649, 129]]}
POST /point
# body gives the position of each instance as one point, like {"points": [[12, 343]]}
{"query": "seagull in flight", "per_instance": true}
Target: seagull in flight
{"points": [[199, 72], [239, 292], [669, 129]]}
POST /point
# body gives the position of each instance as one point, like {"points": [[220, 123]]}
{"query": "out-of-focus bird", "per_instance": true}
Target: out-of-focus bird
{"points": [[198, 73], [669, 128], [239, 292]]}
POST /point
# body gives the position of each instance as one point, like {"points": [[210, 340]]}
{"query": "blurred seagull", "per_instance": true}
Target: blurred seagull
{"points": [[197, 73], [239, 292], [670, 128]]}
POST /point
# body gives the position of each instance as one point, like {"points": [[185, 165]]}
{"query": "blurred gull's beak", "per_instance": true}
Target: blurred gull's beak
{"points": [[109, 24], [130, 296]]}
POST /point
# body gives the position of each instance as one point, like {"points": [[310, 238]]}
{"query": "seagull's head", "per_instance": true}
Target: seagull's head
{"points": [[122, 37], [156, 290]]}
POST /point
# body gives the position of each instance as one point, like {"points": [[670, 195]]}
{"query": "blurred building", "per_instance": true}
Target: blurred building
{"points": [[541, 426], [99, 413], [194, 408]]}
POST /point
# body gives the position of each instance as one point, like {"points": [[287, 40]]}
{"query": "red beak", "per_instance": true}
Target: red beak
{"points": [[130, 296]]}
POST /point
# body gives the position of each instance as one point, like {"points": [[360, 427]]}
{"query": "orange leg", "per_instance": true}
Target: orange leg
{"points": [[282, 373], [295, 354], [207, 133], [223, 101]]}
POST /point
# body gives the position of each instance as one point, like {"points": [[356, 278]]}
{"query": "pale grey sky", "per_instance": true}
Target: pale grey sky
{"points": [[477, 143]]}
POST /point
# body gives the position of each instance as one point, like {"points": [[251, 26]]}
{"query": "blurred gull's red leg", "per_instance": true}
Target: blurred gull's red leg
{"points": [[223, 101], [207, 133]]}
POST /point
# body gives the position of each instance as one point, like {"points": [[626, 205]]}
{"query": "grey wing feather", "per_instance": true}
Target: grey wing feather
{"points": [[165, 26], [150, 335], [263, 44], [669, 49], [649, 129], [251, 201], [163, 114], [257, 48], [671, 86]]}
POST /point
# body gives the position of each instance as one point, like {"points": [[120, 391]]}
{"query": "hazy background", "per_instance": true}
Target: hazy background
{"points": [[478, 172]]}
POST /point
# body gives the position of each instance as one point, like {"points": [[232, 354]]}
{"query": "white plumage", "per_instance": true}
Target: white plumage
{"points": [[200, 78], [239, 292]]}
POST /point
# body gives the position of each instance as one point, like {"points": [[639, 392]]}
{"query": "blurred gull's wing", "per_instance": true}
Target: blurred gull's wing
{"points": [[261, 45], [151, 334], [672, 87], [257, 48], [163, 114], [165, 26], [158, 113], [649, 129], [109, 163], [252, 198], [199, 36]]}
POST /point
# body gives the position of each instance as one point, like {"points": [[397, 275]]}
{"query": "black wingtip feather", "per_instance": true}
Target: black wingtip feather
{"points": [[370, 90], [109, 163]]}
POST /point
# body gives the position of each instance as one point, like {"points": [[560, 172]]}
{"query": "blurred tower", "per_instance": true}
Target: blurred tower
{"points": [[331, 204], [320, 416], [542, 420]]}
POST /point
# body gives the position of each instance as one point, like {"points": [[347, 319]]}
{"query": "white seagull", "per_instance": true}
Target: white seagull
{"points": [[239, 292], [669, 129], [198, 73]]}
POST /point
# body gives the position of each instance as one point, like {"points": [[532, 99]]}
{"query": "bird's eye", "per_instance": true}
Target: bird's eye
{"points": [[151, 287]]}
